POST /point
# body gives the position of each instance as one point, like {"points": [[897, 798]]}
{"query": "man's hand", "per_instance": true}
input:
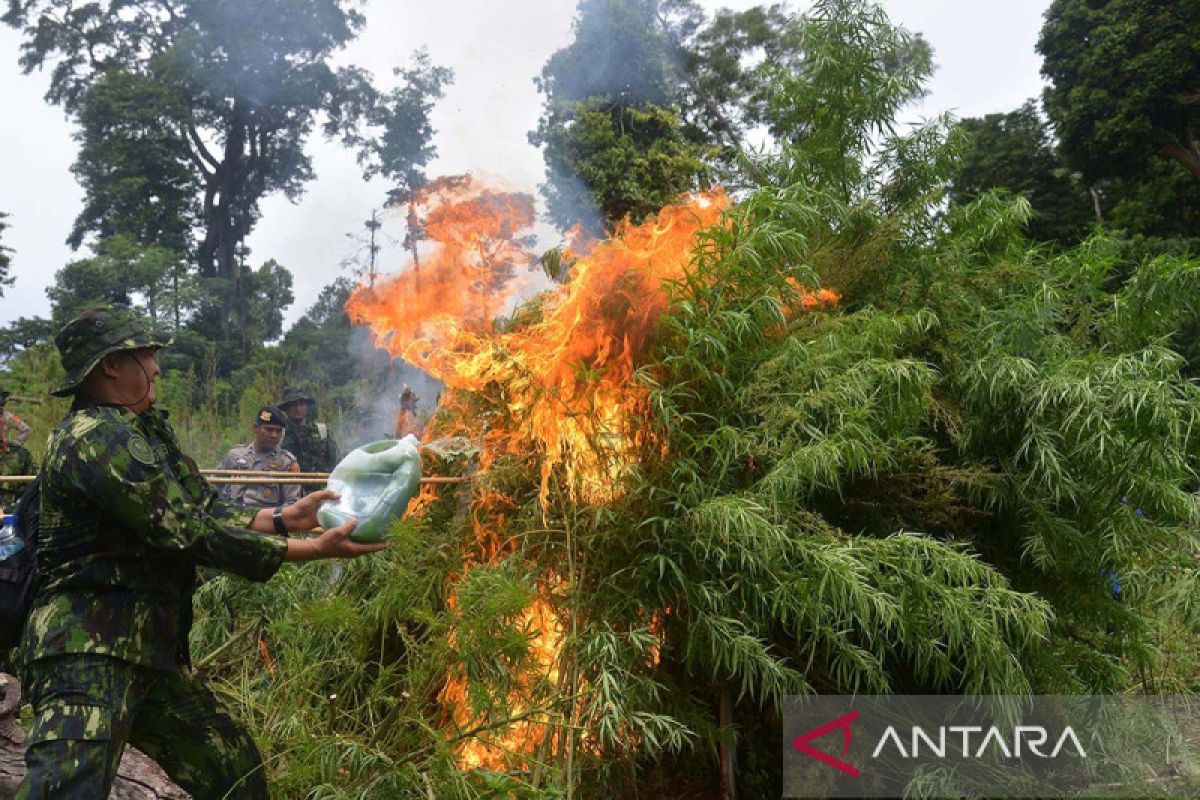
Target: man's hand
{"points": [[333, 543], [299, 516], [302, 514]]}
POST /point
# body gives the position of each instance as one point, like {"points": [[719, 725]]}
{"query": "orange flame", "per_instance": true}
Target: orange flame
{"points": [[569, 375]]}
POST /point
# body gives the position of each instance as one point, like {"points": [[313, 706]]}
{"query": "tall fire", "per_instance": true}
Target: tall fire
{"points": [[565, 367], [569, 375]]}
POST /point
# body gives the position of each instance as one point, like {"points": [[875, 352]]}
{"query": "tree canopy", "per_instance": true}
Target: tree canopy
{"points": [[653, 98], [123, 270], [134, 167], [234, 88], [1017, 151], [1124, 76], [612, 132]]}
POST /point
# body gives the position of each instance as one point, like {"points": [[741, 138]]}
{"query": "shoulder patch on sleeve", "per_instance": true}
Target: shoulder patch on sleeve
{"points": [[140, 449]]}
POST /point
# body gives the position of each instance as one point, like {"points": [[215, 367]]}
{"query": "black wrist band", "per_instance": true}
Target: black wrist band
{"points": [[277, 518]]}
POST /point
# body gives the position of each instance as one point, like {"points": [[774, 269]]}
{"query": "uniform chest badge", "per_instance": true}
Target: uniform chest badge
{"points": [[141, 450]]}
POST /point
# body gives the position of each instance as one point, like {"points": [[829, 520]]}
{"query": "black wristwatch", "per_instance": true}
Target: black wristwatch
{"points": [[277, 518]]}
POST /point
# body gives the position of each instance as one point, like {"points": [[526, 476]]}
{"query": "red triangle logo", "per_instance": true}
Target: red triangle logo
{"points": [[842, 723]]}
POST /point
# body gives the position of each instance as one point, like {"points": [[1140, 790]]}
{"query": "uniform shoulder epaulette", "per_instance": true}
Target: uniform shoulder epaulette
{"points": [[85, 422]]}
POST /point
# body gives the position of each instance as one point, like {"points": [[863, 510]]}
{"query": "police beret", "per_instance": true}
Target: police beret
{"points": [[270, 415]]}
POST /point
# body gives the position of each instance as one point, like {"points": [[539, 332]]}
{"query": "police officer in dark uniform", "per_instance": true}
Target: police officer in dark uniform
{"points": [[126, 518]]}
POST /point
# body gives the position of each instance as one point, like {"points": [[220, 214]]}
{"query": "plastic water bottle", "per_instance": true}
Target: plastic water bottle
{"points": [[376, 483], [9, 541]]}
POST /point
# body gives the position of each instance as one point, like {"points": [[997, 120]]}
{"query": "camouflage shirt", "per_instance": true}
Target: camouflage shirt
{"points": [[125, 520], [14, 460], [316, 453]]}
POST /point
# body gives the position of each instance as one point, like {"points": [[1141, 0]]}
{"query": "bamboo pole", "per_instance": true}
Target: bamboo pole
{"points": [[263, 473], [264, 477], [256, 481]]}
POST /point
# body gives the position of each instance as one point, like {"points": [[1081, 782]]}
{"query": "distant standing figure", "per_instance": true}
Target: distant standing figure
{"points": [[14, 460], [308, 439], [406, 420], [262, 455]]}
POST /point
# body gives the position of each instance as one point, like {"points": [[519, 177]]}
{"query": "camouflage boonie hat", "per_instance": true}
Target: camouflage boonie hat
{"points": [[96, 333], [294, 393]]}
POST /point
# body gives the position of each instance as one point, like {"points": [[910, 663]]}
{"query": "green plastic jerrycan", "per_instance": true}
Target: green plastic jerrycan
{"points": [[376, 482]]}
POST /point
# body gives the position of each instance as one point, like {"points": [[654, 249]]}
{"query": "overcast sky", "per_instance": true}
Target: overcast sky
{"points": [[984, 52]]}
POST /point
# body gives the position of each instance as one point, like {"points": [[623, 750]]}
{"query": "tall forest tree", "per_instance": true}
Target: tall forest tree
{"points": [[613, 136], [723, 63], [240, 85], [653, 98], [5, 257], [404, 147], [1124, 79]]}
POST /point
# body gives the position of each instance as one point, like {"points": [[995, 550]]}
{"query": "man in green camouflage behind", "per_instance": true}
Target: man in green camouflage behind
{"points": [[306, 438], [126, 518], [14, 460]]}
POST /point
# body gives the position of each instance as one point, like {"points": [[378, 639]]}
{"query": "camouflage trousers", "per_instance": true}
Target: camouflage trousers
{"points": [[88, 707]]}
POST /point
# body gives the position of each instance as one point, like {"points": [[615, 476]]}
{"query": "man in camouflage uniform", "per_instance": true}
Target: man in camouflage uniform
{"points": [[14, 460], [308, 439], [262, 455], [126, 518], [18, 429]]}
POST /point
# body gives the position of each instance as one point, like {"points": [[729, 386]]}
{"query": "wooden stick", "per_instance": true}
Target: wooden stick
{"points": [[261, 473], [254, 477], [287, 481]]}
